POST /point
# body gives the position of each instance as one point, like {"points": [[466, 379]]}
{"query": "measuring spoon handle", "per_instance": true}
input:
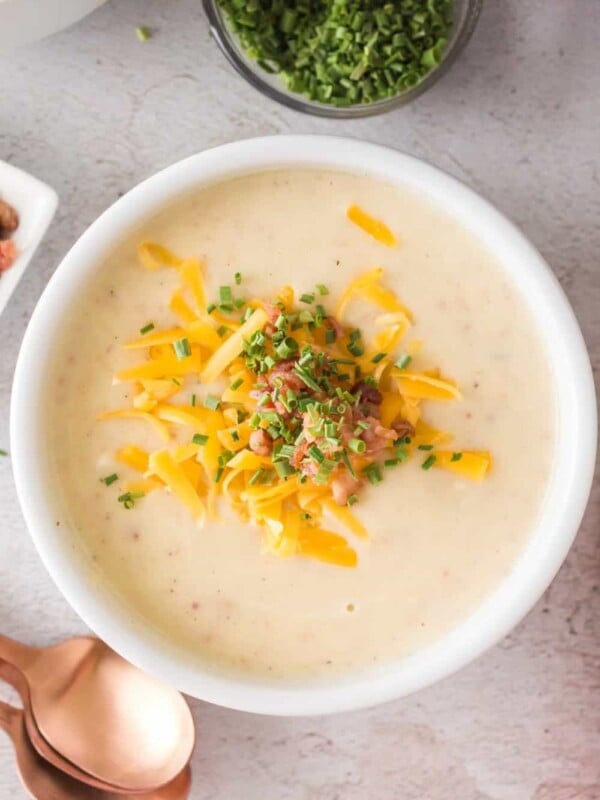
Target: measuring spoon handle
{"points": [[16, 653], [9, 717]]}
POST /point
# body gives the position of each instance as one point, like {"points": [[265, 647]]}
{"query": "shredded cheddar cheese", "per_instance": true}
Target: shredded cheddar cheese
{"points": [[372, 226], [291, 412]]}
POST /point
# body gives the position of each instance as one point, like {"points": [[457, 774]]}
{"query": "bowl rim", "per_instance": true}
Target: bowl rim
{"points": [[568, 487], [253, 74]]}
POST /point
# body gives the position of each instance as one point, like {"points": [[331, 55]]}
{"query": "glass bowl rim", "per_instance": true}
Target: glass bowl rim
{"points": [[297, 102]]}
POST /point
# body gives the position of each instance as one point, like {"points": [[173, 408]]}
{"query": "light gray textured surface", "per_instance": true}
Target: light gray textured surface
{"points": [[92, 111]]}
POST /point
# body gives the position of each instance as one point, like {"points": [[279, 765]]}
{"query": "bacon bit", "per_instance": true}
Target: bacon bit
{"points": [[8, 254], [342, 486], [296, 459], [283, 373], [368, 393], [376, 436], [9, 220], [403, 428], [260, 443]]}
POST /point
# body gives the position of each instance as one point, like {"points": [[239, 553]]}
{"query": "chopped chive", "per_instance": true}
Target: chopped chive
{"points": [[238, 278], [357, 445], [3, 453], [306, 378], [222, 330], [182, 348], [281, 322], [210, 308], [128, 499], [425, 447], [236, 384], [239, 302], [344, 54], [176, 382], [143, 33], [356, 349], [307, 298], [429, 462], [352, 500], [316, 454], [305, 515], [257, 476], [402, 454], [376, 359], [456, 456], [373, 474], [326, 467], [235, 436], [283, 469], [218, 474], [330, 336], [225, 296], [200, 438], [109, 478], [305, 317], [348, 463], [193, 400], [225, 457], [287, 347], [247, 314], [391, 462], [322, 289], [283, 451], [403, 361], [212, 402], [147, 328]]}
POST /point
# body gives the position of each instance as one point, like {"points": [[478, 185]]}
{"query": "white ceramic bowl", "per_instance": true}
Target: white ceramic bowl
{"points": [[35, 203], [559, 518], [23, 21]]}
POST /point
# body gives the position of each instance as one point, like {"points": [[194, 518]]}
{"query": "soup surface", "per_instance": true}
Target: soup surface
{"points": [[439, 543]]}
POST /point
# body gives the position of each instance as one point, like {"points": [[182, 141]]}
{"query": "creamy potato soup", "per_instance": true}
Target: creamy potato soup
{"points": [[438, 542]]}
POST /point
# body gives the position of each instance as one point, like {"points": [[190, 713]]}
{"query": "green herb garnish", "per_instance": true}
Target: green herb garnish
{"points": [[456, 456], [110, 479], [212, 402], [403, 361], [147, 328], [429, 462], [182, 348], [143, 33], [343, 53], [357, 445], [128, 499], [200, 438], [373, 474]]}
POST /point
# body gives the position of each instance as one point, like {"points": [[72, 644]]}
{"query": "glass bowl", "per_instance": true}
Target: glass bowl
{"points": [[466, 14]]}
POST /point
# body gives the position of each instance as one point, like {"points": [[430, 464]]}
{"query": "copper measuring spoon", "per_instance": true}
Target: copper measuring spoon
{"points": [[17, 680], [106, 717], [44, 782]]}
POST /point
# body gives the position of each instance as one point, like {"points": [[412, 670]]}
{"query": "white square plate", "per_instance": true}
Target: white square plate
{"points": [[35, 204]]}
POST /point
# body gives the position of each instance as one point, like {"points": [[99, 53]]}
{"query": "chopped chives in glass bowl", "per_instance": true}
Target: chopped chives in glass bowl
{"points": [[342, 58]]}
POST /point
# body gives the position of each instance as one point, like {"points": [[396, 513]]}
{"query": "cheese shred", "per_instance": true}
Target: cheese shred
{"points": [[281, 410]]}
